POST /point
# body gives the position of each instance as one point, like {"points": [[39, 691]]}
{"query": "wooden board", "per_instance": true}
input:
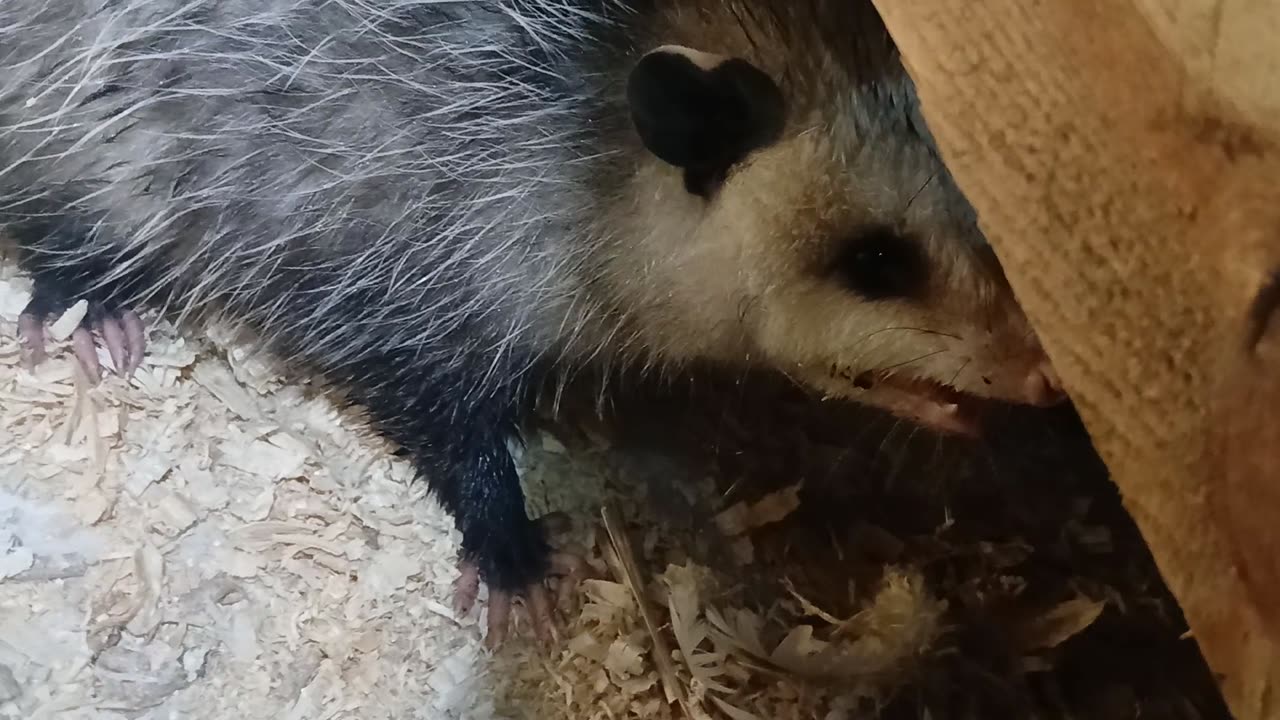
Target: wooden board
{"points": [[1122, 156]]}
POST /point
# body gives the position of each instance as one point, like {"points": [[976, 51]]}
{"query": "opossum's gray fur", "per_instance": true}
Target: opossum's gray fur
{"points": [[404, 193], [237, 139]]}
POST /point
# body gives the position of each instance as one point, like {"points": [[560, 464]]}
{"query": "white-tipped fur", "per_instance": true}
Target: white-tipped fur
{"points": [[458, 182], [448, 212]]}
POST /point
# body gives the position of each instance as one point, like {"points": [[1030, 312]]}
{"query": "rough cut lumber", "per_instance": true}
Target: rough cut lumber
{"points": [[1123, 156]]}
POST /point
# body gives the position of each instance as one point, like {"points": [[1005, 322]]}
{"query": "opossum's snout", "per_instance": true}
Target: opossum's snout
{"points": [[1042, 386], [914, 318], [819, 234]]}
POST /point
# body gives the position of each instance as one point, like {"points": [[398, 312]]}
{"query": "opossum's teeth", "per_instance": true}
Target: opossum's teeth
{"points": [[932, 404], [947, 416]]}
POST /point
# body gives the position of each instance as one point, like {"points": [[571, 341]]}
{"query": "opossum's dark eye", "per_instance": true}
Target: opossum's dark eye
{"points": [[880, 263]]}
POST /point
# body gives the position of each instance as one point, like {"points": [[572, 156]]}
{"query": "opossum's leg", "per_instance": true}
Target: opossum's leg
{"points": [[458, 440], [475, 479]]}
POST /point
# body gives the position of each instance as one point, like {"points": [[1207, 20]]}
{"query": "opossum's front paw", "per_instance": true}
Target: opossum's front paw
{"points": [[520, 572], [121, 331]]}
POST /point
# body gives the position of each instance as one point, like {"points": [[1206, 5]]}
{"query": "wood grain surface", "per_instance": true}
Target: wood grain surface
{"points": [[1127, 176]]}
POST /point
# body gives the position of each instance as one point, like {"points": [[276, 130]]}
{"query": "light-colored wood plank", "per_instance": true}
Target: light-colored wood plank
{"points": [[1131, 197], [1228, 47]]}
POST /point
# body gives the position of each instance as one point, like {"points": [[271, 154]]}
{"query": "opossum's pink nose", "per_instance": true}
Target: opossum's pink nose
{"points": [[1042, 387]]}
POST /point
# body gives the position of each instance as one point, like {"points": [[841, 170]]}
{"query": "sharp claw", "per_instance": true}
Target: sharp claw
{"points": [[540, 612], [499, 613], [573, 570], [117, 344], [135, 334], [466, 588], [31, 335], [86, 353], [536, 598]]}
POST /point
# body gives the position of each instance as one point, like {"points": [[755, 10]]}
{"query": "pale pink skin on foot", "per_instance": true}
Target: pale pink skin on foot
{"points": [[124, 337], [569, 567], [86, 353]]}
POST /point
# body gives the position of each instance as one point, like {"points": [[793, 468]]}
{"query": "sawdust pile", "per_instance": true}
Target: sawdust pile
{"points": [[212, 541]]}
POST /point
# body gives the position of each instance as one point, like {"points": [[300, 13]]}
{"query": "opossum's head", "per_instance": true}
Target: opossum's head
{"points": [[799, 214]]}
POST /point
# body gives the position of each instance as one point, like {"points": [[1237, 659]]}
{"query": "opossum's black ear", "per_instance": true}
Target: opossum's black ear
{"points": [[703, 113]]}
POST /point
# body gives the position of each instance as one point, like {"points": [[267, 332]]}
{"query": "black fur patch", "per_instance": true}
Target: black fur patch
{"points": [[703, 121], [456, 433], [52, 248]]}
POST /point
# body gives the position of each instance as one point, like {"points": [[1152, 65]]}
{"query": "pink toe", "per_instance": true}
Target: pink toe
{"points": [[499, 613], [113, 337], [31, 334], [466, 588], [540, 612], [86, 353], [136, 337]]}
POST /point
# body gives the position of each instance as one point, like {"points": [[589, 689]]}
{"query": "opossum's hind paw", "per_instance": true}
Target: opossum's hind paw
{"points": [[122, 333], [568, 568], [31, 337]]}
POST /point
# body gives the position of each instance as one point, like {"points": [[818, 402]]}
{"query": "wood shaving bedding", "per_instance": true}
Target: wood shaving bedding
{"points": [[213, 541]]}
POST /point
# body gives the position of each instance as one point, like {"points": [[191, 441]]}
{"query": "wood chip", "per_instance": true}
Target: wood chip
{"points": [[635, 582], [68, 321], [742, 517], [1060, 623]]}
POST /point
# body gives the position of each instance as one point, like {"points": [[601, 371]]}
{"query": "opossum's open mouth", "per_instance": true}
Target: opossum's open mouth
{"points": [[930, 403]]}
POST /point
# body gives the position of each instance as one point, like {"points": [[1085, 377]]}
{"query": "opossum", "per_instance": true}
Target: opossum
{"points": [[440, 205]]}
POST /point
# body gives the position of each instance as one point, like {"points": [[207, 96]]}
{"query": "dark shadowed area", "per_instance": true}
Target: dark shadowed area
{"points": [[1021, 533]]}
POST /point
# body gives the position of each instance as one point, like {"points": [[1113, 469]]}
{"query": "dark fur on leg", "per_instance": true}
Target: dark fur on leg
{"points": [[51, 243], [456, 431], [47, 242]]}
